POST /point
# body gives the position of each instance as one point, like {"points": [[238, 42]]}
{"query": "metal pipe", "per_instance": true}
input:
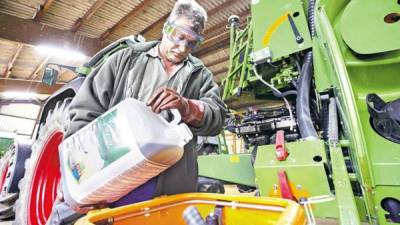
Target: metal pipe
{"points": [[333, 131]]}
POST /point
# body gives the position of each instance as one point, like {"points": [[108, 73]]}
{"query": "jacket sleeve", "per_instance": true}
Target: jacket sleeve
{"points": [[93, 97], [214, 108]]}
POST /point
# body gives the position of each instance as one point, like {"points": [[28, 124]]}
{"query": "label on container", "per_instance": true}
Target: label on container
{"points": [[98, 145]]}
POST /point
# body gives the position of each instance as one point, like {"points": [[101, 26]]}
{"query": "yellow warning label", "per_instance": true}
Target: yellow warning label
{"points": [[273, 28], [234, 159]]}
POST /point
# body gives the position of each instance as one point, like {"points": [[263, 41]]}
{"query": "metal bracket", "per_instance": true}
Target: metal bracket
{"points": [[261, 56]]}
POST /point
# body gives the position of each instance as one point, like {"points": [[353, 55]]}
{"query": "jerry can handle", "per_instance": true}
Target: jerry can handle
{"points": [[177, 116], [185, 132], [183, 129]]}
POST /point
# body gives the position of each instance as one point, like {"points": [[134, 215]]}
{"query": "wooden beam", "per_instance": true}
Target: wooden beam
{"points": [[132, 13], [223, 70], [216, 62], [88, 15], [161, 20], [34, 74], [224, 24], [218, 79], [213, 44], [219, 76], [213, 49], [216, 39], [209, 13], [32, 33], [22, 85], [14, 57], [221, 7], [43, 10]]}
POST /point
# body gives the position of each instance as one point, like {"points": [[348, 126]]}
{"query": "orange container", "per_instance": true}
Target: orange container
{"points": [[168, 210]]}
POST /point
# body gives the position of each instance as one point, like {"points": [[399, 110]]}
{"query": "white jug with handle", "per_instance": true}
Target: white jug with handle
{"points": [[117, 152]]}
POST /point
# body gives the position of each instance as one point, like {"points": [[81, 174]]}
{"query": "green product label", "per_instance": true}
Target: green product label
{"points": [[109, 141], [98, 145]]}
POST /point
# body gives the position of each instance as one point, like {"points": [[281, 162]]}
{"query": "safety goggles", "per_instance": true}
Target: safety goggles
{"points": [[182, 36]]}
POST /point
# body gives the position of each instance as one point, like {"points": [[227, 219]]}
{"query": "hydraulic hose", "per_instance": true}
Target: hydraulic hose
{"points": [[284, 94], [305, 123]]}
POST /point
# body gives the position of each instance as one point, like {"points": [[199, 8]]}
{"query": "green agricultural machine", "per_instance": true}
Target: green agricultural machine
{"points": [[315, 87]]}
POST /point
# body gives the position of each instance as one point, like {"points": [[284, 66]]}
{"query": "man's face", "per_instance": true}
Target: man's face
{"points": [[178, 40]]}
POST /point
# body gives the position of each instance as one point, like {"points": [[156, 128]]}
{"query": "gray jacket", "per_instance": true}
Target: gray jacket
{"points": [[111, 83]]}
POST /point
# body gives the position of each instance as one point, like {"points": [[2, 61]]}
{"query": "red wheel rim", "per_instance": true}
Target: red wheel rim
{"points": [[46, 177], [3, 177]]}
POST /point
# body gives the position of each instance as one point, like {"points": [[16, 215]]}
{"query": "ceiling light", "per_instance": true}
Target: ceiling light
{"points": [[65, 53], [19, 95]]}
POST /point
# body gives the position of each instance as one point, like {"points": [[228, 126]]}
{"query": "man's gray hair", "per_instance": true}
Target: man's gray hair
{"points": [[191, 10]]}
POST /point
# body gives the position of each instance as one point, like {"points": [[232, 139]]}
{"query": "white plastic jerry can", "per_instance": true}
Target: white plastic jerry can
{"points": [[117, 152]]}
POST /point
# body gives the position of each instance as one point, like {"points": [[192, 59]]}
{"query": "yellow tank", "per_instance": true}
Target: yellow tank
{"points": [[168, 210]]}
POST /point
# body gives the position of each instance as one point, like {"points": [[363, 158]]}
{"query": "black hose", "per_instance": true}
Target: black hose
{"points": [[286, 93], [306, 127]]}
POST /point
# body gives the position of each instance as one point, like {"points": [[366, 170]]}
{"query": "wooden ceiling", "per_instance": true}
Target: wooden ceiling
{"points": [[89, 25]]}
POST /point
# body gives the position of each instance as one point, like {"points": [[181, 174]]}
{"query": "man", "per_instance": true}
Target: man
{"points": [[165, 76]]}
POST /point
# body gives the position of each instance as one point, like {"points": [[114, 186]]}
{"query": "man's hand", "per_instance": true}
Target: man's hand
{"points": [[192, 111]]}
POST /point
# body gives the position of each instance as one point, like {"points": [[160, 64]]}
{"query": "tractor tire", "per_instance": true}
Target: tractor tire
{"points": [[38, 188], [18, 152]]}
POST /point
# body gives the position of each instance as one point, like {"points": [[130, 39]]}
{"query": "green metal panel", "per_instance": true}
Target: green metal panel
{"points": [[346, 104], [364, 28], [384, 155], [362, 211], [380, 193], [353, 76], [231, 168], [272, 28], [377, 74], [348, 213], [304, 168]]}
